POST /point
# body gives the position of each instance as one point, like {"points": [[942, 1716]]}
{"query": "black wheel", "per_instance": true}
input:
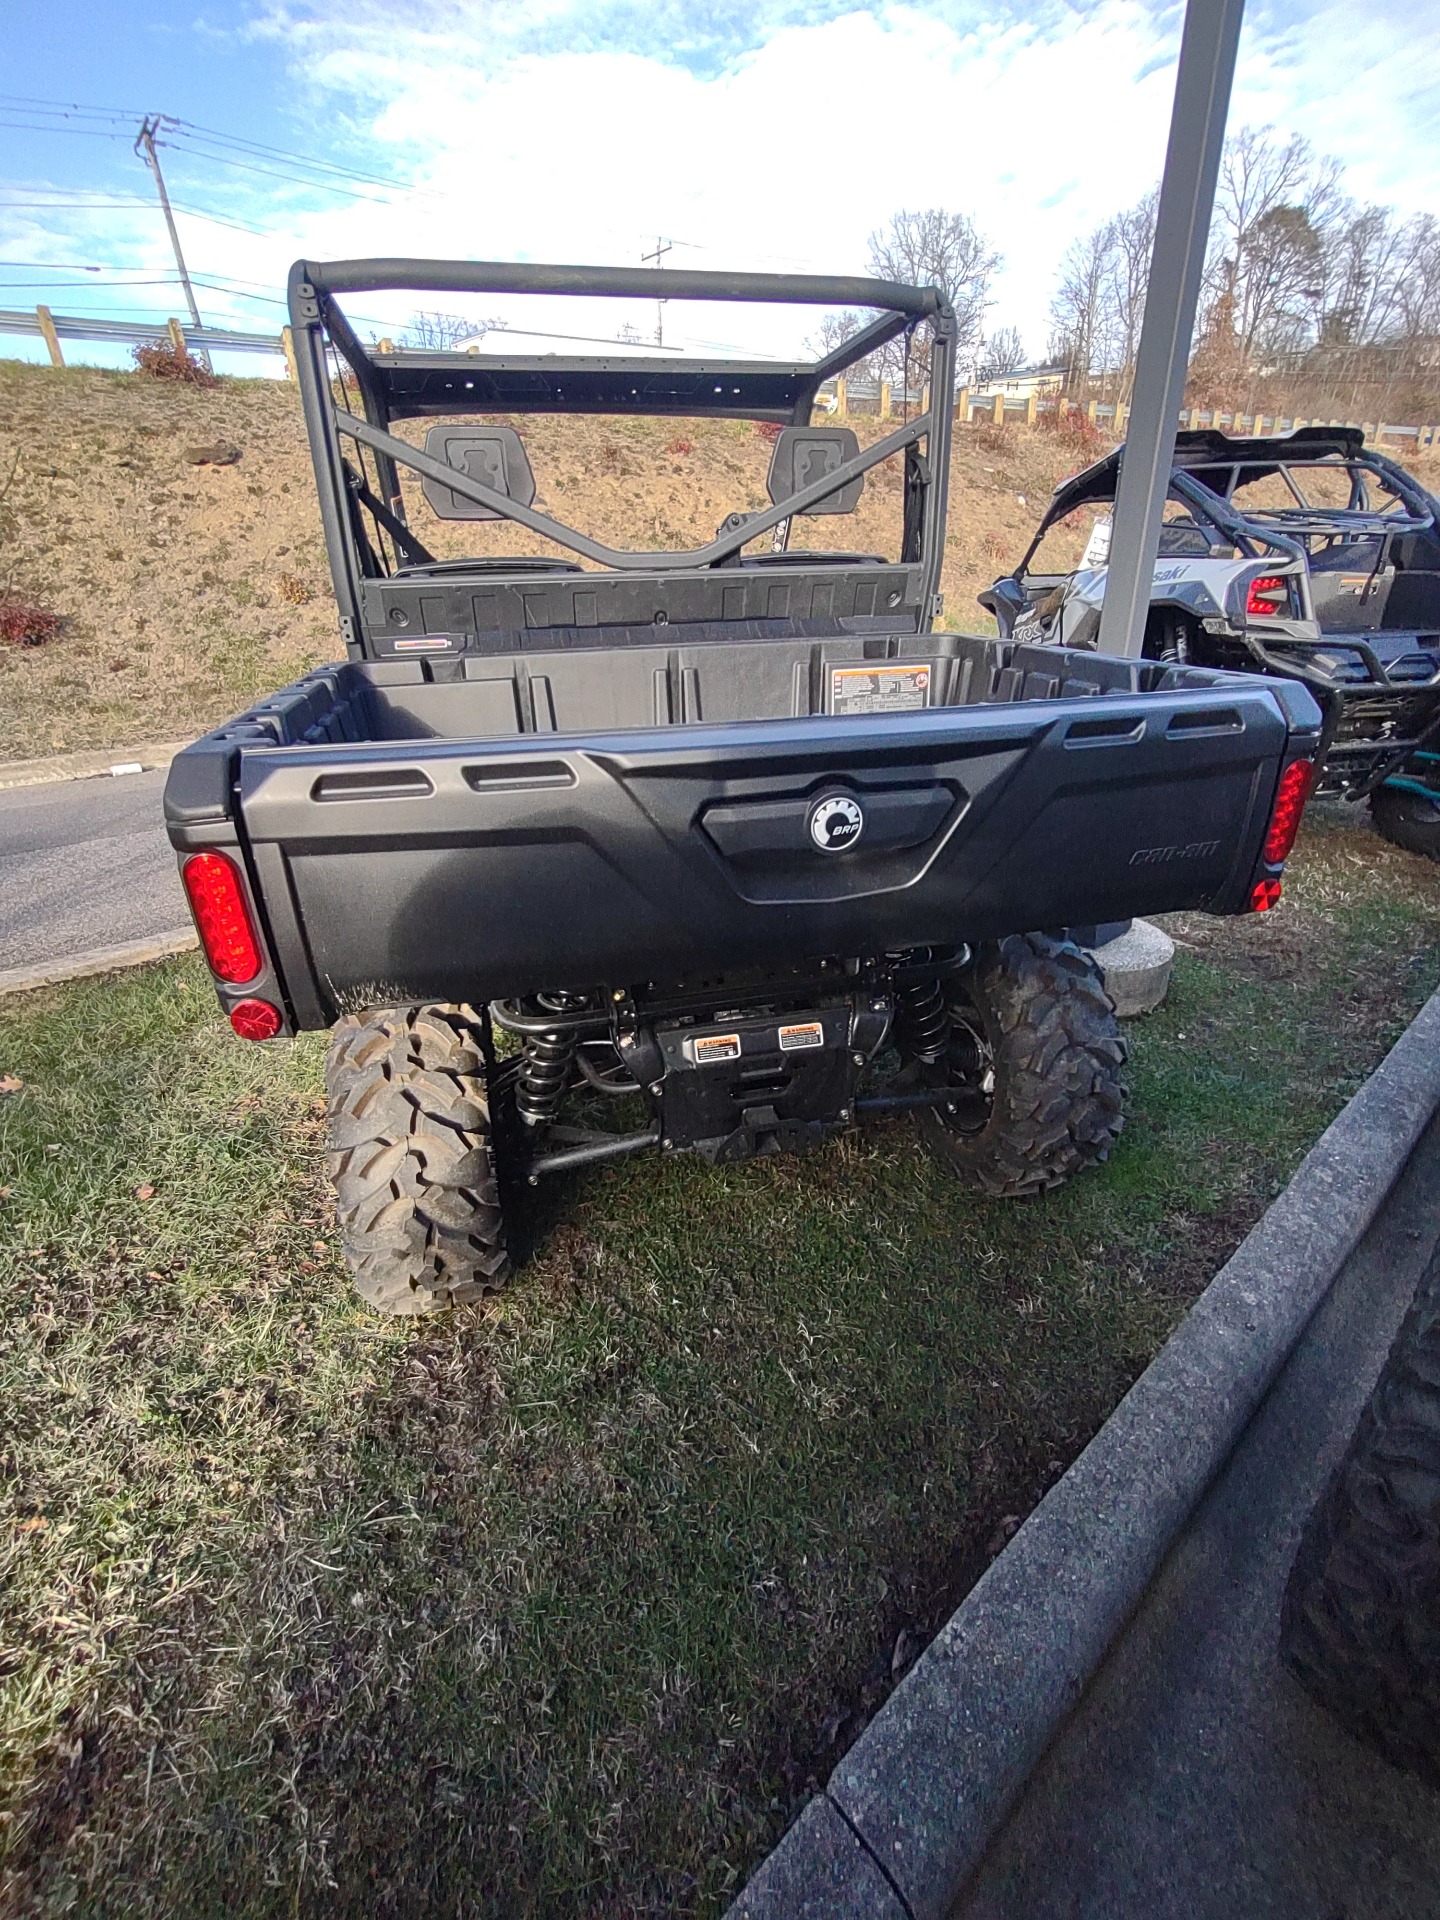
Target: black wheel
{"points": [[412, 1160], [1407, 819], [1360, 1625], [1034, 1062]]}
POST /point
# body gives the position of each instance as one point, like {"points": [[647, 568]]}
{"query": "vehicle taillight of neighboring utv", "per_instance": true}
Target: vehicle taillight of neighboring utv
{"points": [[222, 918], [1290, 797], [1269, 594]]}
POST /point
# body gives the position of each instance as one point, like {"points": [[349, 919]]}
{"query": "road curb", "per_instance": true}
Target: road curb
{"points": [[87, 765], [80, 966], [926, 1785]]}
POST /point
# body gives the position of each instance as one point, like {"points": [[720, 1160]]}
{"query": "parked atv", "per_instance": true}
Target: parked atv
{"points": [[1307, 555], [588, 850]]}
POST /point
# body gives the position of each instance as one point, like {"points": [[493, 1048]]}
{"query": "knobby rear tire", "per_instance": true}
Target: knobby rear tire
{"points": [[1057, 1054], [412, 1158], [1360, 1625], [1406, 820]]}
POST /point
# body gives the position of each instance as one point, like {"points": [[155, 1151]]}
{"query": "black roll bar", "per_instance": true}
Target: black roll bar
{"points": [[620, 283]]}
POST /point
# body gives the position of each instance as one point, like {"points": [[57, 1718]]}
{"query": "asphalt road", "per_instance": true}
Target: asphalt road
{"points": [[1196, 1780], [84, 864]]}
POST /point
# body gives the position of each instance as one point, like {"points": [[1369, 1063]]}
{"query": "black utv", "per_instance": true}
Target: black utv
{"points": [[587, 849]]}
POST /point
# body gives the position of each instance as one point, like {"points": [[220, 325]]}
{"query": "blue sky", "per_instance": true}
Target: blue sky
{"points": [[582, 129]]}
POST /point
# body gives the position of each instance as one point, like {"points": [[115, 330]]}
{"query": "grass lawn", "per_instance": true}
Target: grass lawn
{"points": [[557, 1606]]}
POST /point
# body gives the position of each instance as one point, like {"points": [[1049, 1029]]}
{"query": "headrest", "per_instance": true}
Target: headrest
{"points": [[492, 455], [804, 455]]}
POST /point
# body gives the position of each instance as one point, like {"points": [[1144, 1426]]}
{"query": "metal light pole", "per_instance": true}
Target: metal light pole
{"points": [[1177, 262], [145, 147]]}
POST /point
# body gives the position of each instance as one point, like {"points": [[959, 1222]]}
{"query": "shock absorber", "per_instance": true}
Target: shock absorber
{"points": [[924, 1022], [548, 1063]]}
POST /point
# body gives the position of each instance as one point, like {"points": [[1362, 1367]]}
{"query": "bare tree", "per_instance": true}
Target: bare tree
{"points": [[1134, 242], [1001, 353], [1275, 207], [1417, 292], [1301, 284], [441, 332], [1080, 310], [1361, 281], [945, 250]]}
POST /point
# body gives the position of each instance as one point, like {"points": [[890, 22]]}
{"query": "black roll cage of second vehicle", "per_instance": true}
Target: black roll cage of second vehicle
{"points": [[1382, 714]]}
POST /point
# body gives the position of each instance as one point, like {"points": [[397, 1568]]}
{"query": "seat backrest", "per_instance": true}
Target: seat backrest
{"points": [[495, 456], [804, 455]]}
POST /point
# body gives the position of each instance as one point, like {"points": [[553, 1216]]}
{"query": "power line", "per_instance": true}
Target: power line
{"points": [[283, 153], [119, 286], [89, 133], [198, 138], [117, 201], [71, 106]]}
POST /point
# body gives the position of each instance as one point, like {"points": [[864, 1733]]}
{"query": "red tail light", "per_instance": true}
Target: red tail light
{"points": [[1264, 895], [1290, 798], [1269, 594], [255, 1019], [218, 902]]}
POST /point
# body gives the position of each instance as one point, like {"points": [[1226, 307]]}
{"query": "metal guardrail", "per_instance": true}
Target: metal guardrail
{"points": [[984, 406], [137, 333]]}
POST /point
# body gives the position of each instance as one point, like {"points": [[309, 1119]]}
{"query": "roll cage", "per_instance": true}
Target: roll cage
{"points": [[362, 520], [1210, 465], [1097, 484], [1378, 713]]}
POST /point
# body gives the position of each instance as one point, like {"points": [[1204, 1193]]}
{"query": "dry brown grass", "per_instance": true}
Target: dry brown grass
{"points": [[162, 567], [189, 591]]}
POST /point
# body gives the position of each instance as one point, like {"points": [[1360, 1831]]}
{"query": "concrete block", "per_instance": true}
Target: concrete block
{"points": [[1137, 966]]}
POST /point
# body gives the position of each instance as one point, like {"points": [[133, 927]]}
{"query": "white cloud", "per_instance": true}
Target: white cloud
{"points": [[554, 132]]}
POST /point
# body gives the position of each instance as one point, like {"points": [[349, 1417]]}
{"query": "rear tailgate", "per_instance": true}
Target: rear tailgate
{"points": [[453, 870]]}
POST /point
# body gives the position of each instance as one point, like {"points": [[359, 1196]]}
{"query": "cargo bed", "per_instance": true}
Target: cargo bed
{"points": [[413, 832]]}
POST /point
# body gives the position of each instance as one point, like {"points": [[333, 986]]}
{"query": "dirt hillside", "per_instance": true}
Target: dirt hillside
{"points": [[185, 591]]}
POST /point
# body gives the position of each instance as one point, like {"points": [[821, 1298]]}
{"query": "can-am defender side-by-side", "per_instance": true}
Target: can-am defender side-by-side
{"points": [[713, 846], [1305, 554]]}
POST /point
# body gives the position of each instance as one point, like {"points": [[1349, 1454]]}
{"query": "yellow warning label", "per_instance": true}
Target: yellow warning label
{"points": [[715, 1046], [885, 687], [807, 1033]]}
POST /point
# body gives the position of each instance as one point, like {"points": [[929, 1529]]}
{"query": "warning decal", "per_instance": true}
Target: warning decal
{"points": [[807, 1033], [883, 688], [709, 1047]]}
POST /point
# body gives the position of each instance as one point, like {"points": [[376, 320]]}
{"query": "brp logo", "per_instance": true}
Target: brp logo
{"points": [[836, 822]]}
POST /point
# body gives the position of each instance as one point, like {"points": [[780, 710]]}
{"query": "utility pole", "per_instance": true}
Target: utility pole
{"points": [[145, 147], [662, 247], [1177, 262]]}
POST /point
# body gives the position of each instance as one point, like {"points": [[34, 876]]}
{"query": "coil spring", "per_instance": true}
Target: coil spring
{"points": [[547, 1066], [926, 1024]]}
